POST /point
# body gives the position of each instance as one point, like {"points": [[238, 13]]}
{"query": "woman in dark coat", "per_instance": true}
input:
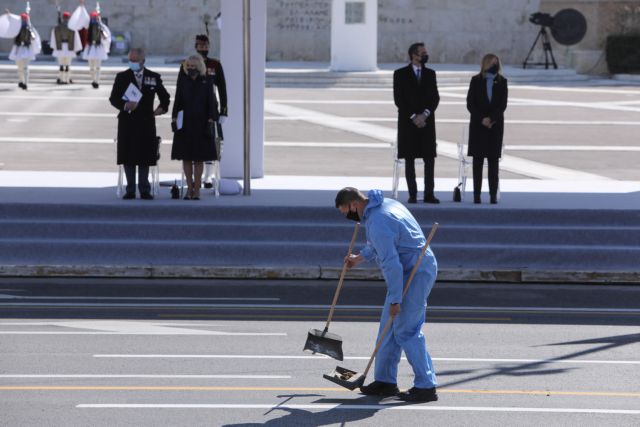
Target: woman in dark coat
{"points": [[486, 101], [193, 140]]}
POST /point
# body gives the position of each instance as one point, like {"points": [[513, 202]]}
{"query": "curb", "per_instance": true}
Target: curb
{"points": [[311, 272]]}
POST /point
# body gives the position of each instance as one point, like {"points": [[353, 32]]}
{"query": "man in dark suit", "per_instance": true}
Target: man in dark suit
{"points": [[137, 142], [415, 93]]}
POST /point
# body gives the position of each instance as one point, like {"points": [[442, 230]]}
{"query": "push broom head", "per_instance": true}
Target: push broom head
{"points": [[346, 378]]}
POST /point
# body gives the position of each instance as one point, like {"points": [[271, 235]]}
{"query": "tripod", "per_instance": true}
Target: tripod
{"points": [[546, 46]]}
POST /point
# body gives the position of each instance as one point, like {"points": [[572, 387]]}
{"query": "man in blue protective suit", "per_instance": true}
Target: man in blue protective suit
{"points": [[395, 240]]}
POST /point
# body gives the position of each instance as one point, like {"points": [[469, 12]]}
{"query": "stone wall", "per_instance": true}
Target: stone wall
{"points": [[163, 27], [455, 31]]}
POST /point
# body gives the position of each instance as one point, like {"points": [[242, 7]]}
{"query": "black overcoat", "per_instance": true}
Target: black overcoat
{"points": [[137, 144], [413, 97], [484, 142], [196, 98]]}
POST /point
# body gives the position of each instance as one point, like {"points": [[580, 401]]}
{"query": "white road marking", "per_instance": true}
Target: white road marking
{"points": [[7, 296], [49, 140], [119, 376], [571, 148], [466, 121], [612, 91], [71, 115], [133, 305], [185, 323], [208, 333], [343, 144], [448, 149], [323, 357], [611, 106], [585, 310], [386, 146], [122, 327], [338, 406], [382, 145], [56, 97]]}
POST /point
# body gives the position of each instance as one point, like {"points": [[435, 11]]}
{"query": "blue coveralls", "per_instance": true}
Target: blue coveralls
{"points": [[395, 240]]}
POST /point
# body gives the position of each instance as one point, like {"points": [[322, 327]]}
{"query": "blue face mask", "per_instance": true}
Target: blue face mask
{"points": [[135, 66]]}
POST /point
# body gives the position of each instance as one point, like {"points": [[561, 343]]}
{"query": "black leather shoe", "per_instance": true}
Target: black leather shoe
{"points": [[379, 388], [146, 196], [95, 85], [432, 199], [477, 200], [208, 185], [494, 200], [129, 196], [416, 394], [412, 199]]}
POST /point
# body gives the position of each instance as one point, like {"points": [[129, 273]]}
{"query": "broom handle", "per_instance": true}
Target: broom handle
{"points": [[342, 274], [406, 287]]}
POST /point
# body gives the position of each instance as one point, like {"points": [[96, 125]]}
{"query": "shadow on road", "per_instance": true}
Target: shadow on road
{"points": [[536, 368], [339, 415]]}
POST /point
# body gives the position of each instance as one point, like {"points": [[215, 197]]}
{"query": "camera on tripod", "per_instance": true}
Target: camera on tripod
{"points": [[542, 19], [567, 27]]}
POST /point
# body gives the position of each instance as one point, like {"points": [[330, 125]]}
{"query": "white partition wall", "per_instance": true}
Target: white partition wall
{"points": [[354, 35], [231, 48]]}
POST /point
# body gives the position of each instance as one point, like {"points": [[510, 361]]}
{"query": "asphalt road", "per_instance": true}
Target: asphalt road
{"points": [[213, 353]]}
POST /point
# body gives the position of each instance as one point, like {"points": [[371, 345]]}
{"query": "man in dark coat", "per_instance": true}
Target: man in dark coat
{"points": [[137, 142], [487, 102], [415, 93]]}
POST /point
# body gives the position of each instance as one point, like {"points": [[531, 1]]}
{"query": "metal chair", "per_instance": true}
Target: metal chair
{"points": [[397, 166], [463, 164]]}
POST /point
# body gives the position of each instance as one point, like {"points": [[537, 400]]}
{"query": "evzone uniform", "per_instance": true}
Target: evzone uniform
{"points": [[64, 42], [97, 47], [26, 45]]}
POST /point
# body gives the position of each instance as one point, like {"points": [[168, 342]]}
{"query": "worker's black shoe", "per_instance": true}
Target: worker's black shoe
{"points": [[416, 394], [379, 388]]}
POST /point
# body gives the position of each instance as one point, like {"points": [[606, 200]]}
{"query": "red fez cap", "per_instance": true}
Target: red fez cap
{"points": [[24, 16], [94, 14], [66, 14]]}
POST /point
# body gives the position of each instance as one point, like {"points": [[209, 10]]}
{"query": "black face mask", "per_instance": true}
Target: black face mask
{"points": [[493, 69], [353, 216], [192, 72], [204, 53], [424, 59]]}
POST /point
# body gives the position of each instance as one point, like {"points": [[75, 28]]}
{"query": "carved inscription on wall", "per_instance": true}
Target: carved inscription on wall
{"points": [[303, 15], [394, 17]]}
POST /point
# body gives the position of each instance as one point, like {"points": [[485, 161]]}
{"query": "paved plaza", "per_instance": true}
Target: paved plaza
{"points": [[576, 135]]}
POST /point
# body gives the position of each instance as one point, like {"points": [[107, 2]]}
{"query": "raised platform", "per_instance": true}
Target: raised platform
{"points": [[288, 228]]}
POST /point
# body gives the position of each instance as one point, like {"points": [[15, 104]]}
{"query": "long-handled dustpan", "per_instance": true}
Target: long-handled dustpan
{"points": [[352, 379], [323, 341]]}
